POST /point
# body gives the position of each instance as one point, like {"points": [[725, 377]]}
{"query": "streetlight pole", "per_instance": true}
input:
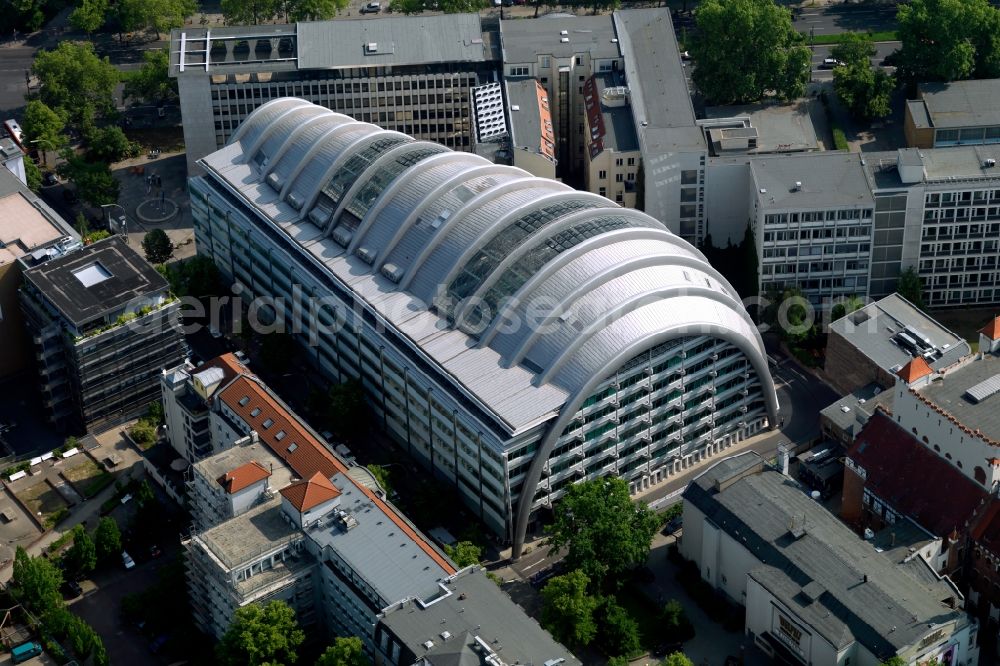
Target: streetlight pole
{"points": [[123, 221]]}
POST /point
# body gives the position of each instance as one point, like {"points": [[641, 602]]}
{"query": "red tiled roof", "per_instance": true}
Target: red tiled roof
{"points": [[229, 365], [306, 495], [912, 479], [992, 329], [914, 370], [305, 454], [986, 530], [243, 476]]}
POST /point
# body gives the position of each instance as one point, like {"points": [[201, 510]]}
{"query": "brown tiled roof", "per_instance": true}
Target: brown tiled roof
{"points": [[229, 365], [243, 476], [894, 461], [992, 329], [914, 370], [306, 495], [305, 454]]}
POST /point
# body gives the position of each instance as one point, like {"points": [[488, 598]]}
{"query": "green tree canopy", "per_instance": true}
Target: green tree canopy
{"points": [[384, 478], [865, 90], [568, 610], [89, 15], [911, 287], [152, 81], [313, 10], [677, 659], [464, 553], [846, 307], [82, 555], [156, 15], [107, 539], [108, 144], [157, 246], [948, 40], [747, 50], [75, 81], [249, 12], [677, 628], [618, 632], [261, 635], [32, 174], [603, 531], [43, 127], [344, 652], [94, 182], [35, 582], [347, 408]]}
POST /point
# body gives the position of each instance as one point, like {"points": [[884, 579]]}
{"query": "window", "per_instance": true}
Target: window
{"points": [[579, 60], [631, 176], [255, 412], [603, 191], [280, 435], [619, 162], [619, 196], [602, 174], [545, 62], [268, 423], [631, 161], [519, 71], [291, 447], [244, 400], [619, 177]]}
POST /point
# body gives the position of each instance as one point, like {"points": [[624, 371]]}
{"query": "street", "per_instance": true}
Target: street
{"points": [[14, 62], [882, 49], [844, 17]]}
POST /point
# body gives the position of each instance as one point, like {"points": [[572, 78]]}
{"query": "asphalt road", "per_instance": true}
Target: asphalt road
{"points": [[882, 49], [844, 17], [14, 60]]}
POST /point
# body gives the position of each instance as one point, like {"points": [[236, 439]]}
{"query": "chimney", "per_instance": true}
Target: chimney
{"points": [[866, 578], [783, 459]]}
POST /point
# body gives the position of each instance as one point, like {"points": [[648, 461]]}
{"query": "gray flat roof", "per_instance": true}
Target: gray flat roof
{"points": [[962, 103], [842, 586], [474, 607], [526, 121], [781, 128], [128, 277], [250, 535], [377, 549], [872, 328], [398, 40], [523, 40], [949, 395], [619, 127], [829, 180], [860, 405], [940, 165], [215, 466]]}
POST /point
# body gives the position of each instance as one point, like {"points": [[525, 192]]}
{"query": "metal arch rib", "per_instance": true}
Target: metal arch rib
{"points": [[473, 203], [571, 406], [630, 304], [401, 181], [448, 185], [316, 147], [529, 243], [373, 168], [250, 120], [294, 134], [573, 253], [618, 270], [492, 231], [271, 128]]}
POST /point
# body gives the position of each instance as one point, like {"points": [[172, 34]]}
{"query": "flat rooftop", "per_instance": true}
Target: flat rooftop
{"points": [[473, 607], [829, 180], [214, 467], [524, 40], [841, 585], [250, 535], [96, 280], [851, 412], [781, 128], [529, 117], [949, 395], [387, 558], [28, 223], [614, 124], [940, 165], [960, 103], [874, 330]]}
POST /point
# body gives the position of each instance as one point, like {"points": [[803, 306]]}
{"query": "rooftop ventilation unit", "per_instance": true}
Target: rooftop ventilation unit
{"points": [[989, 163], [564, 40], [564, 32], [371, 47], [797, 186], [984, 389]]}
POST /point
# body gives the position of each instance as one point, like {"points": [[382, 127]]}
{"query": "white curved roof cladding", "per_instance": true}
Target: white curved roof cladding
{"points": [[441, 243]]}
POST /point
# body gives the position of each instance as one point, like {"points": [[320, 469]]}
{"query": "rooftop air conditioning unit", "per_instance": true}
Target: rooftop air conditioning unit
{"points": [[989, 163]]}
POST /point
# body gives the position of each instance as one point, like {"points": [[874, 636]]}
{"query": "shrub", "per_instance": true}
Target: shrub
{"points": [[142, 433], [840, 139]]}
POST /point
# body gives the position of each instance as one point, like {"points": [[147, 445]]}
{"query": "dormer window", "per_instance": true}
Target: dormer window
{"points": [[255, 412], [244, 400], [268, 423], [280, 436]]}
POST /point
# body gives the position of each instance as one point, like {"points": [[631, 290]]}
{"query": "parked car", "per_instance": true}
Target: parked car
{"points": [[372, 8], [673, 526], [71, 589], [685, 55], [830, 63], [127, 560], [50, 179], [126, 498]]}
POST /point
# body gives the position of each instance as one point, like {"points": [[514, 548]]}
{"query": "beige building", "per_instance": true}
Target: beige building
{"points": [[532, 140], [612, 155]]}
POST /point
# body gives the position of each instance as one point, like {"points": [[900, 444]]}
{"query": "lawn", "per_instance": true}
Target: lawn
{"points": [[43, 499], [883, 36], [88, 478]]}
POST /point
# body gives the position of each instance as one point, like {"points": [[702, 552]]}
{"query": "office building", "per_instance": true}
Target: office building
{"points": [[957, 113], [28, 228], [103, 324], [873, 343], [421, 270], [277, 515], [844, 419], [412, 74], [612, 156], [815, 592]]}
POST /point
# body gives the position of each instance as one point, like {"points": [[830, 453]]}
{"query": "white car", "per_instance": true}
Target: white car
{"points": [[830, 63], [127, 560]]}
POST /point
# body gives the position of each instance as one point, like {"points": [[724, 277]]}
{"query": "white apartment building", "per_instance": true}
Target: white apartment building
{"points": [[612, 157]]}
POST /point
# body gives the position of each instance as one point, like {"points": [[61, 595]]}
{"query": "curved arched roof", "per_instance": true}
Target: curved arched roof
{"points": [[554, 280]]}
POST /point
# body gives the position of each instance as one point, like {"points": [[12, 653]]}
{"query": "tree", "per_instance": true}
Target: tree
{"points": [[461, 6], [895, 660], [619, 632], [109, 144], [911, 287], [43, 127], [748, 49], [82, 555], [152, 81], [347, 409], [142, 433], [156, 15], [249, 12], [94, 182], [382, 475], [464, 553], [276, 351], [948, 40], [604, 532], [677, 627], [35, 582], [846, 307], [344, 652], [864, 89], [32, 174], [24, 15], [157, 246], [75, 82], [107, 539], [677, 659], [313, 10], [89, 15], [568, 610], [260, 635]]}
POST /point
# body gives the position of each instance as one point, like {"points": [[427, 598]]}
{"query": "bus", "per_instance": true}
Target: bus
{"points": [[13, 130], [25, 651]]}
